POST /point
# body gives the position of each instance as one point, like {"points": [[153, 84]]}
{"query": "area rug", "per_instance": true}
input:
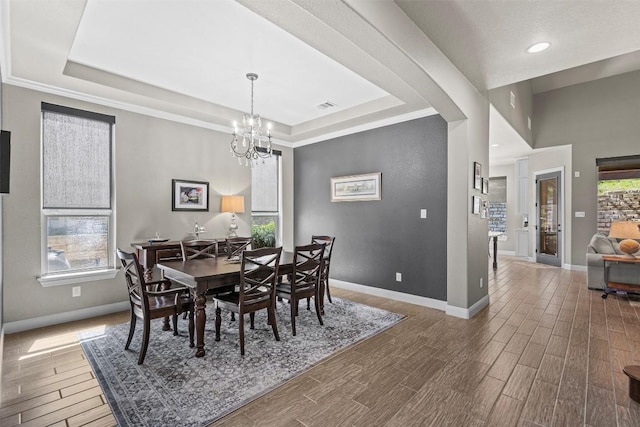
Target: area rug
{"points": [[174, 388]]}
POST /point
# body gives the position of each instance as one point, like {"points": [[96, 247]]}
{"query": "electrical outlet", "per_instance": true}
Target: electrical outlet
{"points": [[398, 277], [76, 291], [481, 281], [423, 213]]}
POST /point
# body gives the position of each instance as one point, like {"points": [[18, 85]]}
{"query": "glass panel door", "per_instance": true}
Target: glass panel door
{"points": [[548, 232]]}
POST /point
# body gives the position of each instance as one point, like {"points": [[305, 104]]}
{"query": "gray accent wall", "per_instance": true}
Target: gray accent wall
{"points": [[598, 119], [376, 239]]}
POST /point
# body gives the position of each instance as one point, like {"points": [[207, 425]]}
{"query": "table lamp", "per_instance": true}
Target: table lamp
{"points": [[233, 204], [628, 231]]}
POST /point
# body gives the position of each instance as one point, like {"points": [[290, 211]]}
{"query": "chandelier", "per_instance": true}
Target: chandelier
{"points": [[252, 136]]}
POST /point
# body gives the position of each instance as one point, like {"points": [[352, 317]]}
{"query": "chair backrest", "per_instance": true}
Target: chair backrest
{"points": [[134, 278], [308, 263], [235, 246], [194, 249], [258, 275], [328, 249]]}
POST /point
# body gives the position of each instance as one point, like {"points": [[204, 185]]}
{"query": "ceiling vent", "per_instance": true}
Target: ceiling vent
{"points": [[326, 105]]}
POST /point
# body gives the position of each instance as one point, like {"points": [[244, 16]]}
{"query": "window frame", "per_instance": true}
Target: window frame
{"points": [[277, 214], [55, 278]]}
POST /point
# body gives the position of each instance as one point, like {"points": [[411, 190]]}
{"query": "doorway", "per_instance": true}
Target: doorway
{"points": [[549, 214]]}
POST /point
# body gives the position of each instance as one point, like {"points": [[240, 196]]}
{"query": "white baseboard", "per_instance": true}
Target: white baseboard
{"points": [[464, 313], [575, 267], [468, 313], [69, 316], [394, 295], [508, 253]]}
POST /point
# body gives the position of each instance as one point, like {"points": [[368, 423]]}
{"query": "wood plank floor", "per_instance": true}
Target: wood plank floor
{"points": [[546, 352]]}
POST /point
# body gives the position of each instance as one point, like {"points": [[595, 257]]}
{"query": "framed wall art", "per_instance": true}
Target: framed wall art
{"points": [[485, 186], [356, 188], [477, 176], [189, 195], [475, 206]]}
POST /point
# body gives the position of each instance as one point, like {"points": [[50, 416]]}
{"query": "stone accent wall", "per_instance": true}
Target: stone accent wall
{"points": [[618, 206], [498, 217]]}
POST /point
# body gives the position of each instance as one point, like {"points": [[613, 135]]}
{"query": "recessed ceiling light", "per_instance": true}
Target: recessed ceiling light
{"points": [[538, 47], [495, 145]]}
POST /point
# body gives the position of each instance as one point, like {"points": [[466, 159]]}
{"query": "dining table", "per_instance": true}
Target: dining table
{"points": [[200, 275]]}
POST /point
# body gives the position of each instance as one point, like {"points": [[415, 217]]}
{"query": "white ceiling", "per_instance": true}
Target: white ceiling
{"points": [[187, 59]]}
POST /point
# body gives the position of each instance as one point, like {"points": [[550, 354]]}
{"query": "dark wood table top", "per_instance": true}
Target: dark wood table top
{"points": [[213, 268]]}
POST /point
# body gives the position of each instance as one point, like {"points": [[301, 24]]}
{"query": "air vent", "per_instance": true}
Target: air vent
{"points": [[326, 105]]}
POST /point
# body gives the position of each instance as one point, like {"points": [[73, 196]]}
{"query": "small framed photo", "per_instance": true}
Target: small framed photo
{"points": [[477, 176], [476, 204], [485, 186], [189, 195], [356, 188], [484, 213]]}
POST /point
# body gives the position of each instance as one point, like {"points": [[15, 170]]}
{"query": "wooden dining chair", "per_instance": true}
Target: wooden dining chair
{"points": [[258, 276], [195, 249], [304, 281], [198, 249], [149, 304], [235, 246], [324, 276]]}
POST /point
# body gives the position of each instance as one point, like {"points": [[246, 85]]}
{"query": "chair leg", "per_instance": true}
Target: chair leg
{"points": [[272, 322], [326, 286], [218, 323], [308, 304], [145, 340], [241, 329], [233, 316], [175, 324], [252, 317], [191, 328], [294, 306], [315, 299], [132, 328]]}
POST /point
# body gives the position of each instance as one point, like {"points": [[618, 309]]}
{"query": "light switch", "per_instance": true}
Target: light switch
{"points": [[423, 213], [576, 174]]}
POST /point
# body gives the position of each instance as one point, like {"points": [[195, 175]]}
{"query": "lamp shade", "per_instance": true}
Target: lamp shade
{"points": [[629, 231], [233, 204], [625, 230]]}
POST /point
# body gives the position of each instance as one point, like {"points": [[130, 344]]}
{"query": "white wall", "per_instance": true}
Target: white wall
{"points": [[149, 152]]}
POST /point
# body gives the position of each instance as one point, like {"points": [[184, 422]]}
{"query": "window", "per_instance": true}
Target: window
{"points": [[77, 196], [618, 190], [265, 202]]}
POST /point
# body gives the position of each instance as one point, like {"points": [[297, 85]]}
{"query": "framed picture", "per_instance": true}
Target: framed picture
{"points": [[476, 204], [485, 186], [477, 176], [356, 188], [189, 195], [484, 213]]}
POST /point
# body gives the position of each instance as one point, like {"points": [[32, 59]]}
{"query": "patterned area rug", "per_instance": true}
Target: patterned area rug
{"points": [[174, 388]]}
